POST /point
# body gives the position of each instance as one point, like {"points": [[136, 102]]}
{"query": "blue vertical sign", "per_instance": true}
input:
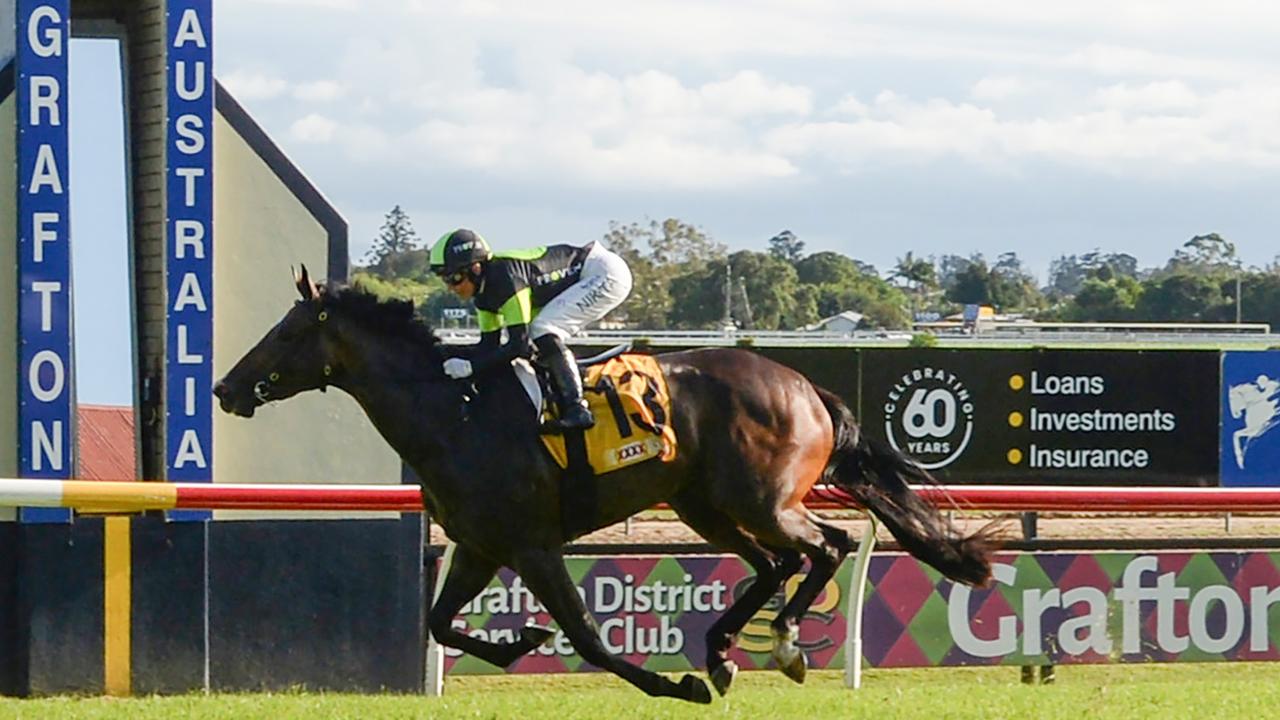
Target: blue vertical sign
{"points": [[1250, 439], [45, 400], [189, 245]]}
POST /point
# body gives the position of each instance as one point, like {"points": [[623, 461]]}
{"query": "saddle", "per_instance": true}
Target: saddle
{"points": [[628, 395]]}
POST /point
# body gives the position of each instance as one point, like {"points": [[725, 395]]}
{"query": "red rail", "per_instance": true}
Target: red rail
{"points": [[137, 496], [226, 496], [1084, 499]]}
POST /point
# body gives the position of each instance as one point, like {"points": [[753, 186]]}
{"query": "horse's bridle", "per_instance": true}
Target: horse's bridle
{"points": [[261, 389]]}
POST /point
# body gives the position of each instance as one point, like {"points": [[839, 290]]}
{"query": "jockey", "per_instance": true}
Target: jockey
{"points": [[540, 295]]}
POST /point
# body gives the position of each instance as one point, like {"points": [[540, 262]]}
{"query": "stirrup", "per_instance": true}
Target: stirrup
{"points": [[575, 417]]}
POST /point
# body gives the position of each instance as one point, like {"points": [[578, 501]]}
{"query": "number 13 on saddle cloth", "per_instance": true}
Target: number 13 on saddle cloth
{"points": [[628, 395]]}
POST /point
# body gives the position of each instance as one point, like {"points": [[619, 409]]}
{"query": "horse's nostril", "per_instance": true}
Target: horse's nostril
{"points": [[221, 389]]}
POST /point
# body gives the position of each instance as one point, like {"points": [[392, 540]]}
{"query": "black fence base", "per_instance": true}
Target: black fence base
{"points": [[224, 605]]}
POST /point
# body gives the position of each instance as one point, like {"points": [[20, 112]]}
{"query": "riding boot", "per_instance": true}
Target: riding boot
{"points": [[560, 363]]}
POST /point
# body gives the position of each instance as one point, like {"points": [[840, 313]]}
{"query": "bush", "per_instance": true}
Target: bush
{"points": [[923, 340]]}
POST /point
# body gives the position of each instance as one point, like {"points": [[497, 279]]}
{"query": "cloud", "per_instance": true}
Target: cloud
{"points": [[1120, 61], [319, 91], [1157, 97], [849, 105], [577, 128], [749, 93], [313, 128], [759, 105], [997, 87], [308, 4], [1144, 130], [253, 86]]}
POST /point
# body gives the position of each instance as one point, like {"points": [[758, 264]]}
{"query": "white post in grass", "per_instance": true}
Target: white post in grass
{"points": [[853, 615], [435, 651]]}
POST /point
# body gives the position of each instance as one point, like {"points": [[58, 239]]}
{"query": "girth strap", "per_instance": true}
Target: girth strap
{"points": [[579, 500]]}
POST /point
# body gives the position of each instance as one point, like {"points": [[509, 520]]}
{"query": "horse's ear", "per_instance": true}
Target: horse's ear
{"points": [[306, 287]]}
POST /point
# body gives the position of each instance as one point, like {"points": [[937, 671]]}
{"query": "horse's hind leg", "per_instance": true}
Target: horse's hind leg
{"points": [[825, 545], [772, 567], [544, 572], [469, 573]]}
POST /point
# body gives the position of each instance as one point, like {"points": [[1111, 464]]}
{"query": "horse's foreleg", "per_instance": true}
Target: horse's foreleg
{"points": [[470, 573], [544, 572], [772, 566]]}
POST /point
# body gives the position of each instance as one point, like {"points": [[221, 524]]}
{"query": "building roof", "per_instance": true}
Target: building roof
{"points": [[848, 316], [105, 443]]}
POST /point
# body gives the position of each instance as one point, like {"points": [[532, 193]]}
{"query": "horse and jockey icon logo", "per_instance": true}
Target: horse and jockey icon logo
{"points": [[1257, 405]]}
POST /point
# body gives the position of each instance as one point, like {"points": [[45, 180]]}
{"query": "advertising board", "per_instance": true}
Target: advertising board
{"points": [[1250, 407], [1076, 417], [1044, 608]]}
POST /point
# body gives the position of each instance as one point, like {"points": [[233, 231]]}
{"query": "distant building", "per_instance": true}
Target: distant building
{"points": [[105, 438], [845, 322]]}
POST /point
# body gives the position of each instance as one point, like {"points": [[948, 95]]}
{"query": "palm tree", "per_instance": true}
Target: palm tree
{"points": [[920, 275]]}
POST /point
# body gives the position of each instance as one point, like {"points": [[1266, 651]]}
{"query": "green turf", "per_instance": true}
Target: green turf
{"points": [[1221, 690]]}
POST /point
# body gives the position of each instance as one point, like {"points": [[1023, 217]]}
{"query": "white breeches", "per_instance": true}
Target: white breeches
{"points": [[605, 282]]}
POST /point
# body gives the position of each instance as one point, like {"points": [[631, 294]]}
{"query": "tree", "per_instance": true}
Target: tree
{"points": [[698, 297], [1260, 298], [971, 285], [1098, 300], [840, 283], [1209, 254], [950, 267], [787, 247], [1066, 275], [917, 272], [429, 295], [393, 251], [1116, 264], [827, 267], [1012, 287], [1180, 297], [920, 275], [657, 253], [806, 310], [1007, 285], [676, 243], [769, 285], [762, 295], [1068, 272]]}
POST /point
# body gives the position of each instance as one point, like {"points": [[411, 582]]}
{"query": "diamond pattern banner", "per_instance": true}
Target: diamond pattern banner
{"points": [[1053, 608]]}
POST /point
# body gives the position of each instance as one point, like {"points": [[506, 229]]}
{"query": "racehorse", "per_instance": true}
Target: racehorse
{"points": [[754, 437]]}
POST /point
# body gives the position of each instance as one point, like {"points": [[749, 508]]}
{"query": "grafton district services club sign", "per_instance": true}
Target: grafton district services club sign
{"points": [[1045, 608]]}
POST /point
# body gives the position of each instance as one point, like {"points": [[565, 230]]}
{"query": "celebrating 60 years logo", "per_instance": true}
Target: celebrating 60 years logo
{"points": [[929, 415]]}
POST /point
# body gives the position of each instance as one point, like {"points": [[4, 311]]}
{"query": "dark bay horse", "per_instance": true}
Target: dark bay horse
{"points": [[754, 437]]}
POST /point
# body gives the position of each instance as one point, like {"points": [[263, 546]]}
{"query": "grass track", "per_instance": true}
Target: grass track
{"points": [[1221, 690]]}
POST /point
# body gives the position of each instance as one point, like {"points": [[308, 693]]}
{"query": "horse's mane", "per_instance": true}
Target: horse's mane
{"points": [[388, 315]]}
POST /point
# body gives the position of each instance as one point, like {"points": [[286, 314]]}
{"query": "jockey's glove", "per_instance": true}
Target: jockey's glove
{"points": [[457, 368]]}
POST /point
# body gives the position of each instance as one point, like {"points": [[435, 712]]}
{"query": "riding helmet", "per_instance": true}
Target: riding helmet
{"points": [[456, 251]]}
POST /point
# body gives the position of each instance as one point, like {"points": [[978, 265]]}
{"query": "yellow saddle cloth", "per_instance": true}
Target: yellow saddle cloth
{"points": [[628, 396]]}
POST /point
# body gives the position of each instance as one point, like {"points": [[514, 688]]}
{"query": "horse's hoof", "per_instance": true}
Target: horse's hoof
{"points": [[722, 676], [536, 635], [695, 690], [796, 668]]}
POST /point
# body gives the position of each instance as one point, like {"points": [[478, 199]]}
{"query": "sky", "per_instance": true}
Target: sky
{"points": [[869, 128]]}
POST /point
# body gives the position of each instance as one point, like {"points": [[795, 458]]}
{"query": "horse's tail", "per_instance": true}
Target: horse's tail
{"points": [[876, 475]]}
